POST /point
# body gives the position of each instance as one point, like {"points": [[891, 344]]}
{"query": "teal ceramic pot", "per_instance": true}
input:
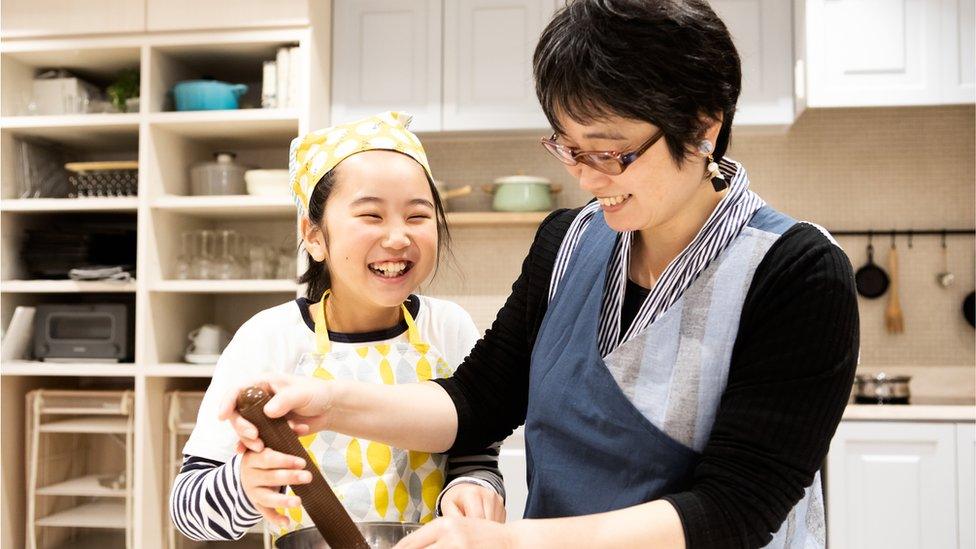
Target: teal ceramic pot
{"points": [[522, 193], [207, 95]]}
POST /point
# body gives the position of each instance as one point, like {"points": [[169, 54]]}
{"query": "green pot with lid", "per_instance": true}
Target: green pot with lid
{"points": [[522, 193]]}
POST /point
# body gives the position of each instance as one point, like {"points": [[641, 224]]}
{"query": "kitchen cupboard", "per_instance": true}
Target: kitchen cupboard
{"points": [[864, 53], [966, 467], [488, 47], [762, 31], [394, 55], [389, 54], [511, 462], [899, 484], [386, 56]]}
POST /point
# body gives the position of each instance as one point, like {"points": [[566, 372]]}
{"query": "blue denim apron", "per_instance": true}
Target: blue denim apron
{"points": [[588, 449]]}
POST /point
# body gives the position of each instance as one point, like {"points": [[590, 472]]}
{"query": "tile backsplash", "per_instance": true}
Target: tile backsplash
{"points": [[845, 169]]}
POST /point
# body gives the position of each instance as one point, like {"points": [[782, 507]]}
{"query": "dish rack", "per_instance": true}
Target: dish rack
{"points": [[79, 468], [181, 417]]}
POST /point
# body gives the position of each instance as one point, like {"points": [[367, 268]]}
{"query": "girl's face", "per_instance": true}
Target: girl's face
{"points": [[381, 228], [652, 190]]}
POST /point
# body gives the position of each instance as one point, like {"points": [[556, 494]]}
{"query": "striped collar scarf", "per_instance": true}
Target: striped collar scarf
{"points": [[720, 229]]}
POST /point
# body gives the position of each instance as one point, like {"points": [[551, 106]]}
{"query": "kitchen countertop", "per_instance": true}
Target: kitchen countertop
{"points": [[921, 409]]}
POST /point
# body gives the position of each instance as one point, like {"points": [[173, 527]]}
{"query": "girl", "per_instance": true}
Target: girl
{"points": [[372, 227]]}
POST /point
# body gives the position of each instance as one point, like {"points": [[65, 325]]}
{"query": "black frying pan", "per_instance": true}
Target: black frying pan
{"points": [[969, 309], [871, 280]]}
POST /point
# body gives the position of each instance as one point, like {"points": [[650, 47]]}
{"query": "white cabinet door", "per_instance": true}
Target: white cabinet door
{"points": [[761, 30], [163, 15], [874, 52], [23, 18], [386, 55], [966, 464], [511, 461], [959, 51], [488, 47], [892, 485]]}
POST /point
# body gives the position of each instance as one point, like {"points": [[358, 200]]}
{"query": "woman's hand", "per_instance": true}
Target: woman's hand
{"points": [[262, 476], [467, 499], [450, 532], [305, 401]]}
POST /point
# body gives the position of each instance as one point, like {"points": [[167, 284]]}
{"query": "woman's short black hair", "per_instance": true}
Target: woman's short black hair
{"points": [[316, 276], [666, 62]]}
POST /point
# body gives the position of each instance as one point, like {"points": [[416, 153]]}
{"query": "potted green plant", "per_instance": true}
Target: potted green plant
{"points": [[125, 87]]}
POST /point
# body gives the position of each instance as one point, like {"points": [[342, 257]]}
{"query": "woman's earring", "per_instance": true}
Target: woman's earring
{"points": [[718, 180]]}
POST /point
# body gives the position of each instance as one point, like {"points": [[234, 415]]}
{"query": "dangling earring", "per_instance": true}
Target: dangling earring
{"points": [[718, 180]]}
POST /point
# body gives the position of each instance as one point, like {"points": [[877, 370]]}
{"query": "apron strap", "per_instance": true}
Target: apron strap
{"points": [[322, 343]]}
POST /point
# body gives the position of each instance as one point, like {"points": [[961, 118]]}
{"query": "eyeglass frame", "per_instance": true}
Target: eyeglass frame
{"points": [[625, 159]]}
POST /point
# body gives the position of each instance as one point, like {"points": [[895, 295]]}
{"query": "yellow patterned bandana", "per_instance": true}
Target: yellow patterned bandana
{"points": [[314, 154]]}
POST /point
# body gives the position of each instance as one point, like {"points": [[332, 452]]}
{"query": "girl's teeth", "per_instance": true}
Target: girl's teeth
{"points": [[613, 200], [389, 268]]}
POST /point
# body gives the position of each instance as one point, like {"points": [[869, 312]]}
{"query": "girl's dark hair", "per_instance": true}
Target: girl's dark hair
{"points": [[317, 275], [666, 62]]}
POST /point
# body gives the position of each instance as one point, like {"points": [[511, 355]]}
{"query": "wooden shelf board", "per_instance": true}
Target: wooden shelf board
{"points": [[232, 127], [495, 219], [231, 206], [87, 485], [73, 122], [180, 369], [225, 286], [87, 424], [86, 369], [66, 286], [43, 205], [102, 514]]}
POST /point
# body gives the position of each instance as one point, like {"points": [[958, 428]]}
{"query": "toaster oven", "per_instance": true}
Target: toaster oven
{"points": [[83, 332]]}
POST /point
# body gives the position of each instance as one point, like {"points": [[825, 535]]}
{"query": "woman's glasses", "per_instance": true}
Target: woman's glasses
{"points": [[608, 162]]}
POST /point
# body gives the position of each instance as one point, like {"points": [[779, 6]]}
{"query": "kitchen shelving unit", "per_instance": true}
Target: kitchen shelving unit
{"points": [[76, 480], [165, 144], [181, 416]]}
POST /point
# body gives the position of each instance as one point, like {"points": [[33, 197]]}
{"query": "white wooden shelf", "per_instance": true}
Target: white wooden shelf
{"points": [[228, 206], [94, 369], [495, 219], [93, 424], [58, 205], [102, 514], [224, 286], [180, 369], [71, 122], [82, 486], [66, 286], [232, 127]]}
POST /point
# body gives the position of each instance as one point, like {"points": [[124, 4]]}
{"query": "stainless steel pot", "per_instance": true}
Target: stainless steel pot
{"points": [[379, 535], [881, 389]]}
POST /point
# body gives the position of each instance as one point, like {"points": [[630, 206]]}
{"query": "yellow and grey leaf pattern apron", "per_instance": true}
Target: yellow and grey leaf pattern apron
{"points": [[374, 481]]}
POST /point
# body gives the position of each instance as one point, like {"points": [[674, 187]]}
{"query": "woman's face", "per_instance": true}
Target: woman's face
{"points": [[652, 190], [381, 228]]}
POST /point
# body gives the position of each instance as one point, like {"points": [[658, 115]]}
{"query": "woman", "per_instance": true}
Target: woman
{"points": [[679, 352]]}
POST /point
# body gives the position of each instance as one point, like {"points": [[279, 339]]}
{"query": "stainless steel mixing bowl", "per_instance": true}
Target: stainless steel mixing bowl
{"points": [[379, 535]]}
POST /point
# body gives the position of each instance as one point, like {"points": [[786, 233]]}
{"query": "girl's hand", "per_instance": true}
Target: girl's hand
{"points": [[467, 499], [262, 476], [305, 401], [451, 532]]}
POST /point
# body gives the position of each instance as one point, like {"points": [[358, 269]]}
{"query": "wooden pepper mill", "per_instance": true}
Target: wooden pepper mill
{"points": [[320, 502]]}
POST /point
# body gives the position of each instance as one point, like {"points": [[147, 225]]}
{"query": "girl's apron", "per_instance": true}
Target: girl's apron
{"points": [[374, 481]]}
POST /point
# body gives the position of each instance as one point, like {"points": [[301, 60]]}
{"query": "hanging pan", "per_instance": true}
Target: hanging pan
{"points": [[871, 280]]}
